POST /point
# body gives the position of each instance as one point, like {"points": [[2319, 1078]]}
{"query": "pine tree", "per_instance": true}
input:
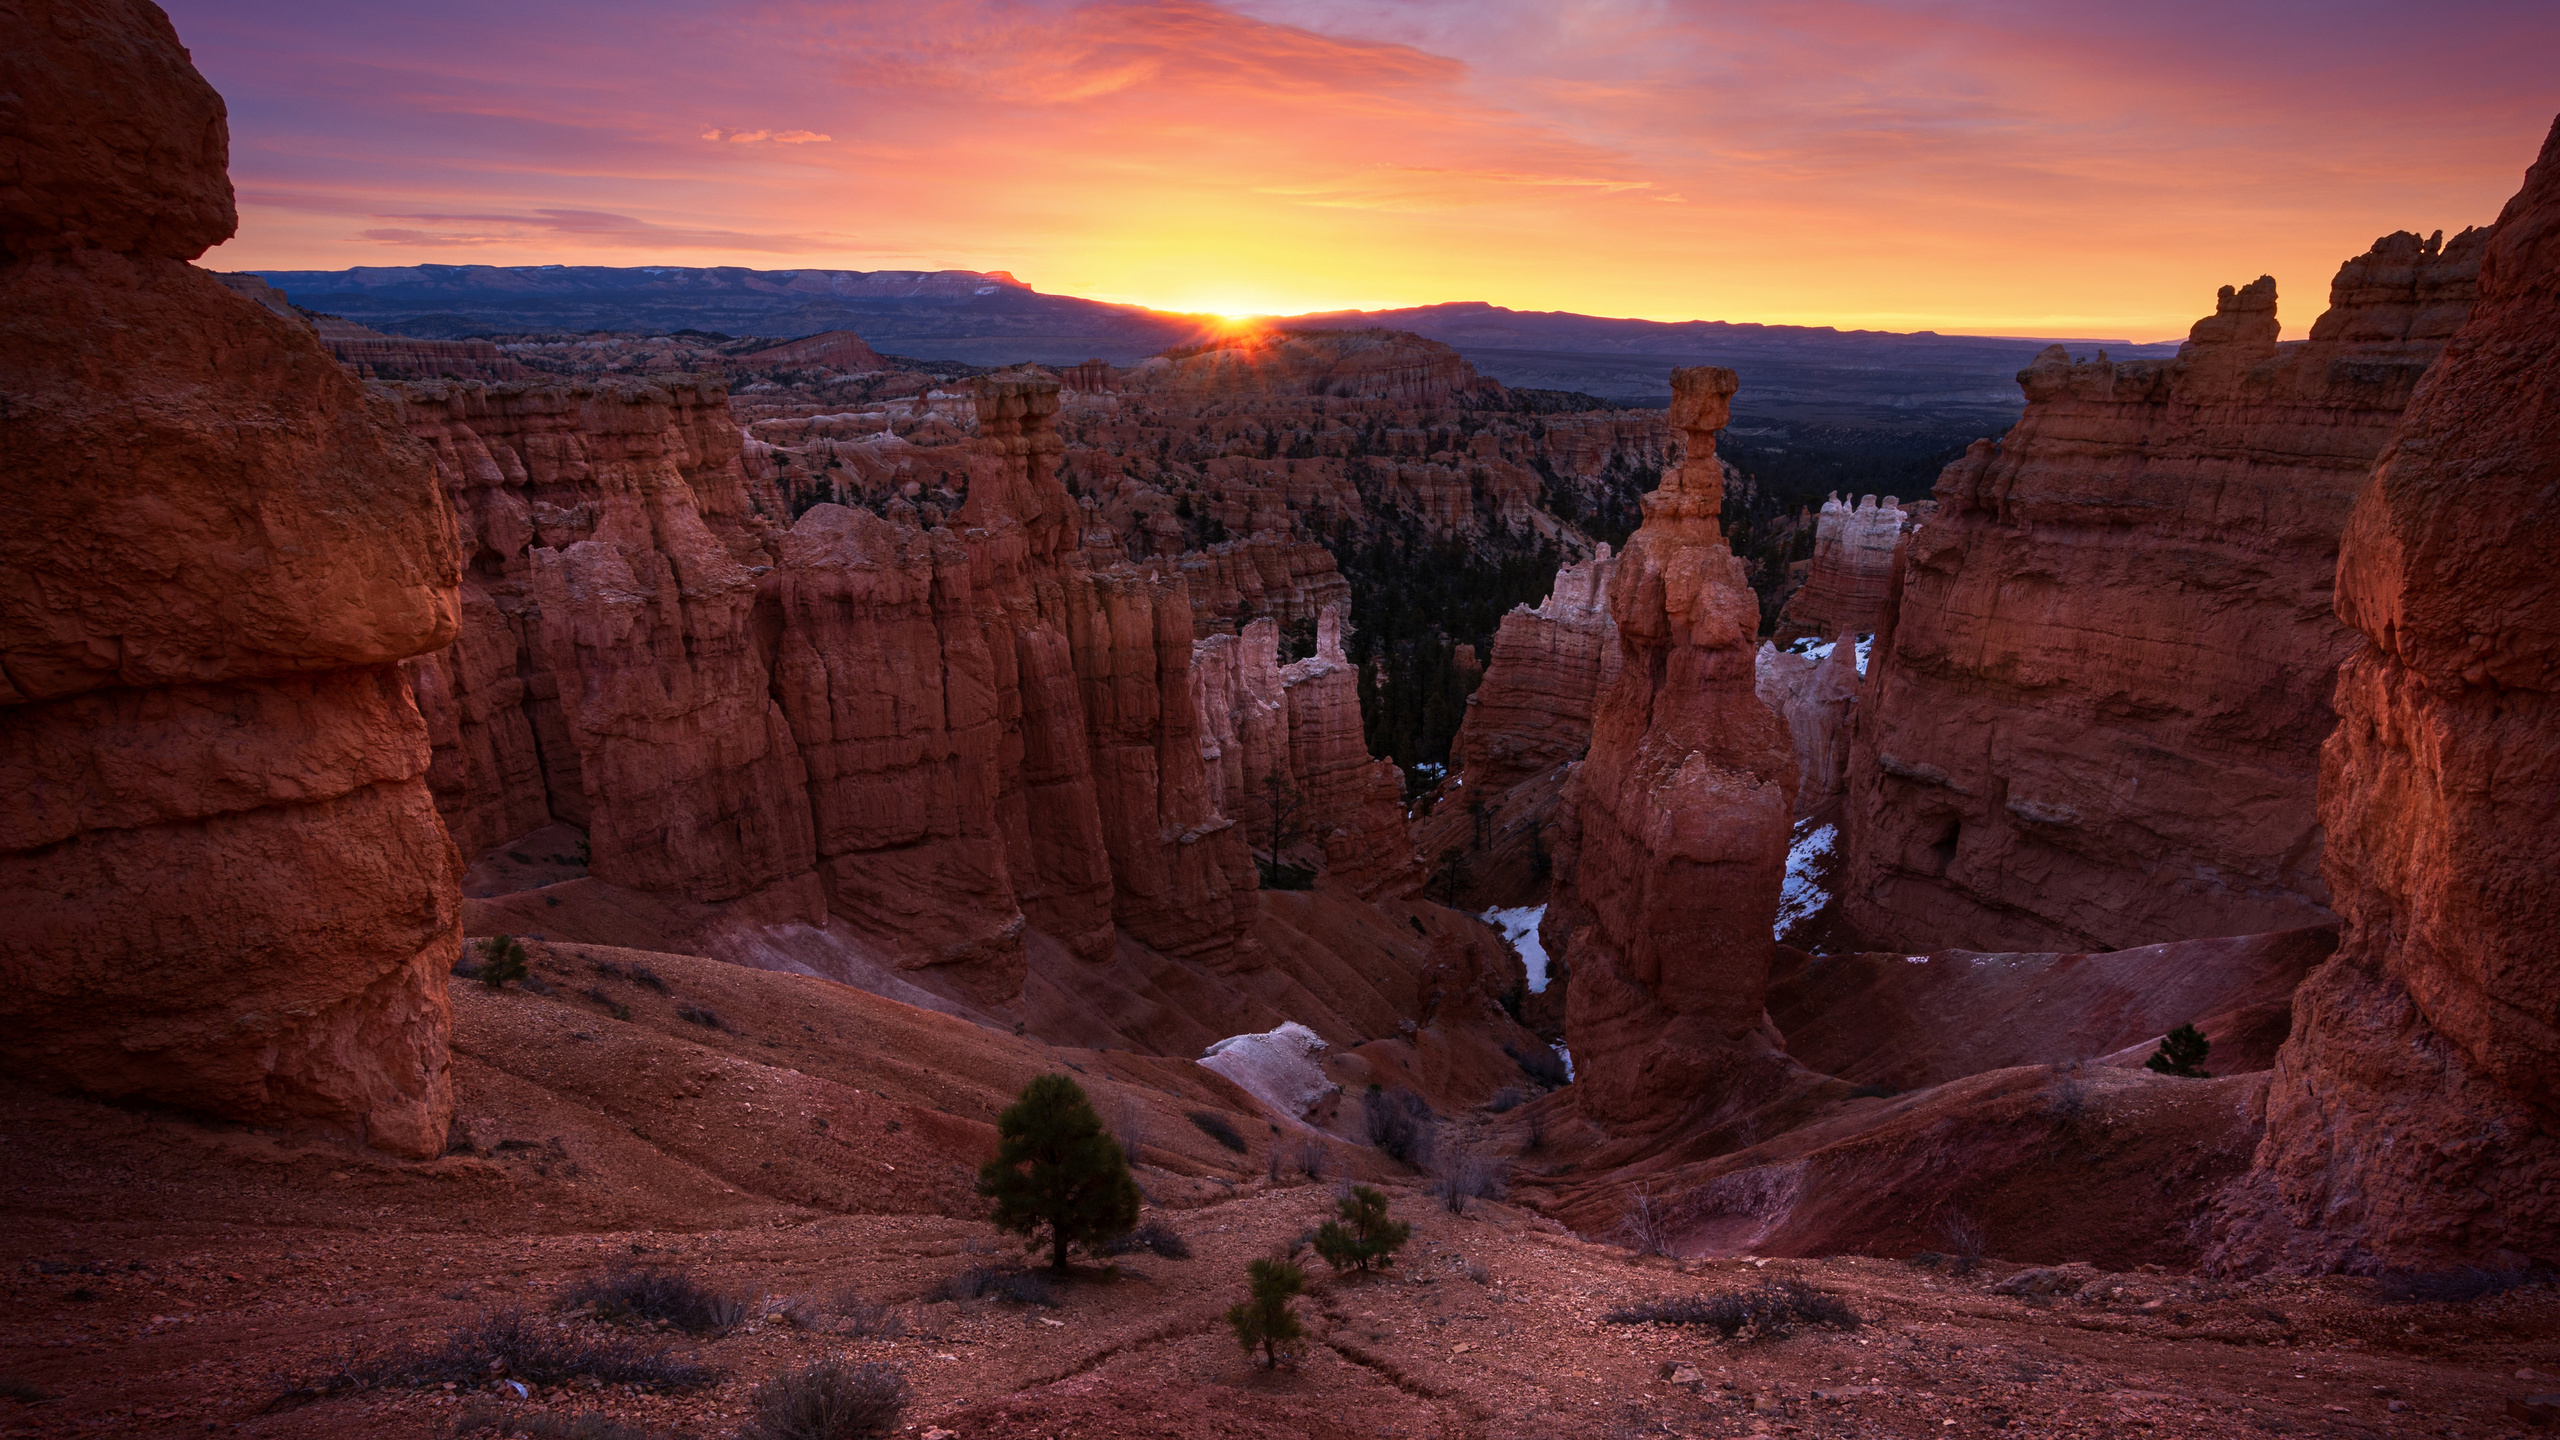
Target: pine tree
{"points": [[1364, 1236], [2180, 1053], [1057, 1167], [502, 960], [1266, 1321]]}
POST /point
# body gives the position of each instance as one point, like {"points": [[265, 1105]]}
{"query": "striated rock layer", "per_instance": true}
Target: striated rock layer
{"points": [[1674, 831], [222, 881], [1812, 697], [2413, 1115], [2095, 722], [1533, 710], [1853, 554], [941, 739], [1300, 723]]}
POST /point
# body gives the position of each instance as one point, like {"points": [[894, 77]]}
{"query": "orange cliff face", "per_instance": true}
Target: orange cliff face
{"points": [[223, 880], [1674, 830], [934, 742], [2096, 720], [2413, 1115]]}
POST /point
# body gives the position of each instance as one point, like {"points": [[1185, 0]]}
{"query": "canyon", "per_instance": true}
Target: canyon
{"points": [[846, 739]]}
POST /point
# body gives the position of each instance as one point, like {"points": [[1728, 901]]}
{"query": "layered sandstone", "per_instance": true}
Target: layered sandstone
{"points": [[2095, 722], [937, 739], [1533, 710], [2413, 1115], [1844, 589], [830, 349], [376, 356], [1674, 830], [1265, 575], [1300, 723], [1812, 695], [222, 882]]}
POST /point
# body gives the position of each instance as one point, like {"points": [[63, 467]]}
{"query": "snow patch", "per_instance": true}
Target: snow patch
{"points": [[1802, 894], [1520, 927], [1567, 1057], [1865, 644], [1283, 1067]]}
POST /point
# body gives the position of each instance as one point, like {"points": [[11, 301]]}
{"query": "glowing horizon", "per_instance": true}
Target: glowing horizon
{"points": [[1964, 166]]}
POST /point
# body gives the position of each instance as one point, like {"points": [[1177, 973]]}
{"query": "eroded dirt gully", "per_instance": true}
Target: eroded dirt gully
{"points": [[169, 1276]]}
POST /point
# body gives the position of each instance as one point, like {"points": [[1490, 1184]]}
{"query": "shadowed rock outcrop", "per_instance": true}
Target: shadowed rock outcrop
{"points": [[1300, 722], [1844, 588], [222, 881], [1674, 830], [2412, 1117], [2095, 722]]}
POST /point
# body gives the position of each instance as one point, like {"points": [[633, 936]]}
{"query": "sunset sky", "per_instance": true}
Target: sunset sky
{"points": [[1991, 166]]}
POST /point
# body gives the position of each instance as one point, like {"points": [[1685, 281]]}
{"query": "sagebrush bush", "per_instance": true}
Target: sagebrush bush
{"points": [[1215, 1126], [1399, 1123], [483, 1418], [1155, 1237], [829, 1400], [628, 1296], [1765, 1312], [1468, 1175], [512, 1345], [1002, 1282]]}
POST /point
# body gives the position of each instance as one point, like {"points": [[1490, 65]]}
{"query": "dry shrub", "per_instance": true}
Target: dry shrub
{"points": [[829, 1400]]}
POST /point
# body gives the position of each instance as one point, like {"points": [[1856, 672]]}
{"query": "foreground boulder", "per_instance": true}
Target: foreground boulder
{"points": [[2413, 1115], [223, 884]]}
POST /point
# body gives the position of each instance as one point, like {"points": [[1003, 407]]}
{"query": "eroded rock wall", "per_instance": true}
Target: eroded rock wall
{"points": [[2413, 1120], [2096, 721], [1675, 828], [939, 737], [1533, 710], [1844, 589], [222, 881], [1300, 722]]}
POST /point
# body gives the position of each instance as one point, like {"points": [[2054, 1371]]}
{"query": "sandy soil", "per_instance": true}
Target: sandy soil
{"points": [[168, 1276]]}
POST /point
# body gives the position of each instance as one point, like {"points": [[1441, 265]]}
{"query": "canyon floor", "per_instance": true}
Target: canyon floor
{"points": [[169, 1276]]}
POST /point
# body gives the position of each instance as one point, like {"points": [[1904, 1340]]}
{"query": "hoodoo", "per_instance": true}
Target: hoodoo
{"points": [[225, 884], [2413, 1115], [1675, 829], [2096, 721]]}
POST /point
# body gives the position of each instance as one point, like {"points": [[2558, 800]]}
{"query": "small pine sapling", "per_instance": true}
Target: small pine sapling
{"points": [[2182, 1052], [502, 960], [1265, 1321], [1364, 1237], [1056, 1167]]}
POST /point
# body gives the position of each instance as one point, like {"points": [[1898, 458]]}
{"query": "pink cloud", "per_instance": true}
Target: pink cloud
{"points": [[1987, 164]]}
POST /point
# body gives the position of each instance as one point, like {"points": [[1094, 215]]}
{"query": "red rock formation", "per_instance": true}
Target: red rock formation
{"points": [[2413, 1115], [1674, 831], [829, 349], [1386, 365], [1268, 574], [1853, 546], [1301, 722], [222, 884], [941, 739], [1533, 711], [2096, 720], [376, 356], [1813, 697]]}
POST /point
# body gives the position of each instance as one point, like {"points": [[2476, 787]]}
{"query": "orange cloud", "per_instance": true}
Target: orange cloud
{"points": [[1951, 164]]}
